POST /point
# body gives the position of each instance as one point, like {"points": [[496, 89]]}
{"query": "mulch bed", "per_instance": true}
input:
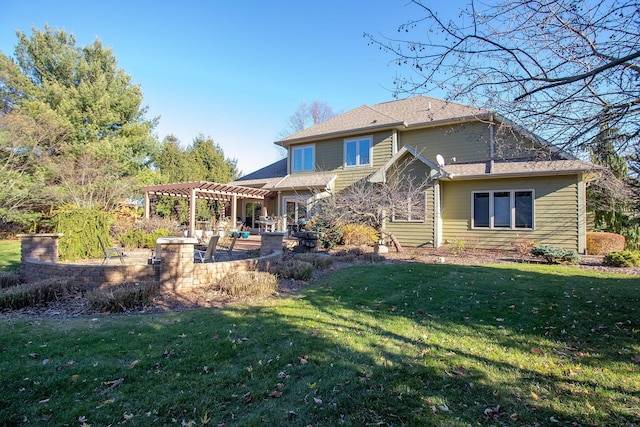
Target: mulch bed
{"points": [[75, 305]]}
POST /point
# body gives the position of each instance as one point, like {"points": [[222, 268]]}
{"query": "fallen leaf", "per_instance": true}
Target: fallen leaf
{"points": [[112, 384], [553, 420], [275, 394], [134, 363], [535, 396], [536, 350], [443, 407], [34, 355], [247, 397], [317, 401]]}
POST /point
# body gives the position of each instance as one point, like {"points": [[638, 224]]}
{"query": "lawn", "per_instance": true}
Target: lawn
{"points": [[9, 255], [395, 345]]}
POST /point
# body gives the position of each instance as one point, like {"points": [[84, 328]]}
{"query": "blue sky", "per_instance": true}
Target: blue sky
{"points": [[232, 70]]}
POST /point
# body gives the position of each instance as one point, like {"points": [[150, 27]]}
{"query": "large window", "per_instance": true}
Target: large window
{"points": [[409, 207], [509, 209], [357, 152], [303, 158]]}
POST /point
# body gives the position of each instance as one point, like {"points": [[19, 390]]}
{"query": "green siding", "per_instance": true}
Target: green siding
{"points": [[467, 142], [556, 212], [416, 234], [330, 157]]}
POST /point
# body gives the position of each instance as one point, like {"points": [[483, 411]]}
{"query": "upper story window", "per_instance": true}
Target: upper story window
{"points": [[510, 209], [303, 158], [357, 151]]}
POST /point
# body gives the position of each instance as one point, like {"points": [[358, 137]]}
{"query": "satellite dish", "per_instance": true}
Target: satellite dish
{"points": [[440, 160]]}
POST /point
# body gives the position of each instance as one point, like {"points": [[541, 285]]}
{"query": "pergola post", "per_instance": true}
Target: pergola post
{"points": [[234, 210], [192, 213], [147, 205]]}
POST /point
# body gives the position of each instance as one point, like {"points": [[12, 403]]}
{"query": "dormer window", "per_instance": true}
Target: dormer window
{"points": [[303, 158], [357, 151]]}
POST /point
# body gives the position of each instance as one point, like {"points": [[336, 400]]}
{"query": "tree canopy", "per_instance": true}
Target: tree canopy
{"points": [[73, 130], [560, 68]]}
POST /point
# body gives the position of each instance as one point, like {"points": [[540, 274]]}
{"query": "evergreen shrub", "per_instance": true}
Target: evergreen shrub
{"points": [[554, 255], [81, 228], [622, 259]]}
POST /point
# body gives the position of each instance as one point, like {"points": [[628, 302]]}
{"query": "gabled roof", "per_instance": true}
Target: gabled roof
{"points": [[380, 174], [401, 114]]}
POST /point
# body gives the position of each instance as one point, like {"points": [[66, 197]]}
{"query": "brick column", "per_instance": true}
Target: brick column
{"points": [[42, 247], [271, 242], [176, 265]]}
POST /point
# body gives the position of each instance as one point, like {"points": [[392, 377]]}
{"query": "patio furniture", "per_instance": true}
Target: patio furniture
{"points": [[266, 224], [155, 254], [209, 253], [228, 249], [110, 253]]}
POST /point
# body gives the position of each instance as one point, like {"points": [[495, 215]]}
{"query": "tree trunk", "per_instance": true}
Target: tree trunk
{"points": [[396, 243]]}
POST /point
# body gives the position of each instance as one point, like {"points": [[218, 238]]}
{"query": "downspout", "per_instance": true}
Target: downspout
{"points": [[437, 220]]}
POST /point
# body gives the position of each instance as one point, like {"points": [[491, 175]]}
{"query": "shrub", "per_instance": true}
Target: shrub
{"points": [[601, 243], [324, 221], [142, 239], [371, 257], [81, 228], [317, 260], [622, 259], [123, 297], [8, 279], [554, 255], [253, 284], [41, 292], [523, 246], [359, 234], [291, 268], [456, 246]]}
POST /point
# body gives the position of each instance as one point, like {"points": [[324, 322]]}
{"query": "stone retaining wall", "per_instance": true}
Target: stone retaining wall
{"points": [[177, 272]]}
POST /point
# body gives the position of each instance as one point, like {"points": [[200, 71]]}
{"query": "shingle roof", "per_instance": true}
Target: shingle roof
{"points": [[274, 170], [503, 169], [406, 113], [274, 177]]}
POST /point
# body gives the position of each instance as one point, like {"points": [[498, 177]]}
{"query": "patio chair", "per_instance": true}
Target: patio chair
{"points": [[228, 249], [155, 254], [209, 254], [110, 253]]}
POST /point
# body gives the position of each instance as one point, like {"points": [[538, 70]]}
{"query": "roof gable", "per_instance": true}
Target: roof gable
{"points": [[381, 174], [403, 114]]}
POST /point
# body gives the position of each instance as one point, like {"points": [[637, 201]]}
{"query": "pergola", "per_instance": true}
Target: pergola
{"points": [[202, 190]]}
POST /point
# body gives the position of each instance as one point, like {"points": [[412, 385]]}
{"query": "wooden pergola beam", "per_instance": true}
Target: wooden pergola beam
{"points": [[202, 190]]}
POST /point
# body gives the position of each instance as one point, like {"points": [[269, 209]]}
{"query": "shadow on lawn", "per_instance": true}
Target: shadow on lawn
{"points": [[491, 343], [402, 344]]}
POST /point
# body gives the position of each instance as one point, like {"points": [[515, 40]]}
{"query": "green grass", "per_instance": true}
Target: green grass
{"points": [[401, 345], [9, 255]]}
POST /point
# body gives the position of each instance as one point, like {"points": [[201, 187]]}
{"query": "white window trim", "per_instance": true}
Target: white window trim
{"points": [[313, 157], [407, 200], [356, 140], [512, 208]]}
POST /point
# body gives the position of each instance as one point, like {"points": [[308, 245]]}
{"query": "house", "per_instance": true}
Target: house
{"points": [[490, 183]]}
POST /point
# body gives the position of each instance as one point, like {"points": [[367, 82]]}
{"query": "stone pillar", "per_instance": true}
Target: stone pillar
{"points": [[176, 265], [42, 247], [271, 242]]}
